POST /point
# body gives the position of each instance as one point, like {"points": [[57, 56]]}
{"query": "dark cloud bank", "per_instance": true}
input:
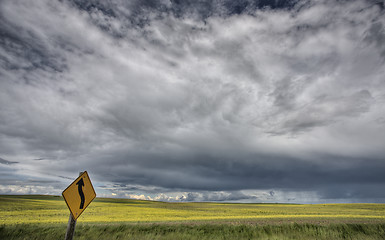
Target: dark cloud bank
{"points": [[252, 101]]}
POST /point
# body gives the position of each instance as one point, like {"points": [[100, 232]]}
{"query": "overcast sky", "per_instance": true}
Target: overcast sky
{"points": [[249, 101]]}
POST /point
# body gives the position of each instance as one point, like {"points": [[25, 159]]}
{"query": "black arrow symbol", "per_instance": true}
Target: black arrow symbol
{"points": [[80, 184]]}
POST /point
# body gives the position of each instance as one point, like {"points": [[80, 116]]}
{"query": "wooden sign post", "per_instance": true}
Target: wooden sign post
{"points": [[70, 228], [78, 195]]}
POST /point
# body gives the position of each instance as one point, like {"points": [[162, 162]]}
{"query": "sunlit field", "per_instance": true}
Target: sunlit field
{"points": [[52, 209], [51, 212]]}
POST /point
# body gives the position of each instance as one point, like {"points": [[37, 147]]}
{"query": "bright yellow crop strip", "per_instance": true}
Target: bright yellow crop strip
{"points": [[14, 210]]}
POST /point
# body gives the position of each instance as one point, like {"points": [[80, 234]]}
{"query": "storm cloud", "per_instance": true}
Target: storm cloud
{"points": [[195, 100]]}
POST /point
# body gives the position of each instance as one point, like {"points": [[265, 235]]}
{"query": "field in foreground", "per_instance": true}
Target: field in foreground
{"points": [[45, 217], [203, 231]]}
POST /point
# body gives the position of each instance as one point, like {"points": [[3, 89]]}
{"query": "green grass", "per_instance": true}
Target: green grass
{"points": [[45, 217], [202, 231]]}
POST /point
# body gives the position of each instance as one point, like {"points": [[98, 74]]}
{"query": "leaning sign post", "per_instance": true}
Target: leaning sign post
{"points": [[78, 195]]}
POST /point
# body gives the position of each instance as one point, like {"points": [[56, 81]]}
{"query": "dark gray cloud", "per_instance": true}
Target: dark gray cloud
{"points": [[252, 172], [3, 161], [194, 100], [137, 11]]}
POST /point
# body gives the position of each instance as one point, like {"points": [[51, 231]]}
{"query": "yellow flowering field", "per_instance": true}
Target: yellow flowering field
{"points": [[52, 209]]}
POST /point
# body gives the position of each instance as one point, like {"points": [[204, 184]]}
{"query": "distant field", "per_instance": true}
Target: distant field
{"points": [[52, 209], [47, 213]]}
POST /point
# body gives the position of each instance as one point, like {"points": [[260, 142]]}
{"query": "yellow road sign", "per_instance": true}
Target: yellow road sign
{"points": [[79, 195]]}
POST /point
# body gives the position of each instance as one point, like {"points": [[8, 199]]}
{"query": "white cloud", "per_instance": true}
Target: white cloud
{"points": [[29, 189], [139, 197]]}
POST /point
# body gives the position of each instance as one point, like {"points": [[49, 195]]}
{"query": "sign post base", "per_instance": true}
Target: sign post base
{"points": [[70, 228]]}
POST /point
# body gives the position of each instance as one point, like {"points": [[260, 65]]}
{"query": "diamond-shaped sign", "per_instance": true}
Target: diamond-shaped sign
{"points": [[79, 195]]}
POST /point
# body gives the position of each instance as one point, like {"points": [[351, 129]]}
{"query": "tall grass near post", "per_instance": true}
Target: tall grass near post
{"points": [[204, 231]]}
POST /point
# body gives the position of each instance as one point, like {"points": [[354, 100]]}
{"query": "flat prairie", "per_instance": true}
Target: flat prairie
{"points": [[31, 216]]}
